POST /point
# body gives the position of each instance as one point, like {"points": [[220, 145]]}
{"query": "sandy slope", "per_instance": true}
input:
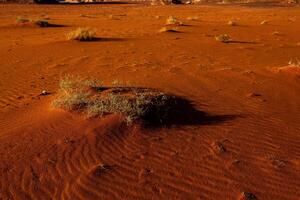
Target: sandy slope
{"points": [[249, 139]]}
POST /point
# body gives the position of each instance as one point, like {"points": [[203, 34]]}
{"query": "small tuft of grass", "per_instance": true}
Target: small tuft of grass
{"points": [[38, 22], [293, 1], [41, 23], [168, 29], [232, 23], [294, 62], [82, 34], [173, 21], [22, 20], [223, 38], [73, 92], [87, 16]]}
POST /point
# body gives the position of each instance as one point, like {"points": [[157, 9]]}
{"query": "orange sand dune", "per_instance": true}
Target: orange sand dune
{"points": [[248, 140]]}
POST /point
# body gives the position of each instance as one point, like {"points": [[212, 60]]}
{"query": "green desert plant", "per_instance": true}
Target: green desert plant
{"points": [[82, 34]]}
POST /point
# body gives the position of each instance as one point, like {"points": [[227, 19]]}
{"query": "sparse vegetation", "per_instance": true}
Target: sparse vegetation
{"points": [[87, 96], [294, 62], [292, 1], [22, 20], [116, 82], [42, 23], [223, 38], [85, 15], [82, 34], [173, 21], [38, 22], [73, 93], [168, 29], [232, 23]]}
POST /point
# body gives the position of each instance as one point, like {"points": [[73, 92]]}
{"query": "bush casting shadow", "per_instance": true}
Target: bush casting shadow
{"points": [[151, 107]]}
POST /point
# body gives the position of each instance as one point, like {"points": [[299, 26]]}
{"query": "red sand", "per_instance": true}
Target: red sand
{"points": [[249, 143]]}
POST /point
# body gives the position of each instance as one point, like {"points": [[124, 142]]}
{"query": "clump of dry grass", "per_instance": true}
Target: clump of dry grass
{"points": [[168, 29], [173, 21], [41, 23], [294, 62], [38, 22], [138, 106], [232, 23], [87, 96], [293, 1], [22, 20], [223, 38], [82, 34], [73, 92]]}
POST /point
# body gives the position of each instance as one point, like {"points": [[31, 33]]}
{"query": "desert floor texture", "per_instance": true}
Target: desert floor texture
{"points": [[247, 139]]}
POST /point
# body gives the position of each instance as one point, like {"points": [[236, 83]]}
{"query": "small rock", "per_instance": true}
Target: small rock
{"points": [[248, 196]]}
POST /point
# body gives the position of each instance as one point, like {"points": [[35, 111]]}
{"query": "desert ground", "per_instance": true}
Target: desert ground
{"points": [[245, 144]]}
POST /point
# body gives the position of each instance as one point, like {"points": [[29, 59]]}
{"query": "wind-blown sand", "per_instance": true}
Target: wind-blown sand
{"points": [[247, 138]]}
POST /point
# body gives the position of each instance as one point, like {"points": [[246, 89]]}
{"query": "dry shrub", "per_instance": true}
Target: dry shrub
{"points": [[41, 23], [22, 20], [166, 2], [232, 23], [294, 62], [73, 93], [168, 29], [87, 96], [82, 34], [223, 38], [37, 22], [173, 21]]}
